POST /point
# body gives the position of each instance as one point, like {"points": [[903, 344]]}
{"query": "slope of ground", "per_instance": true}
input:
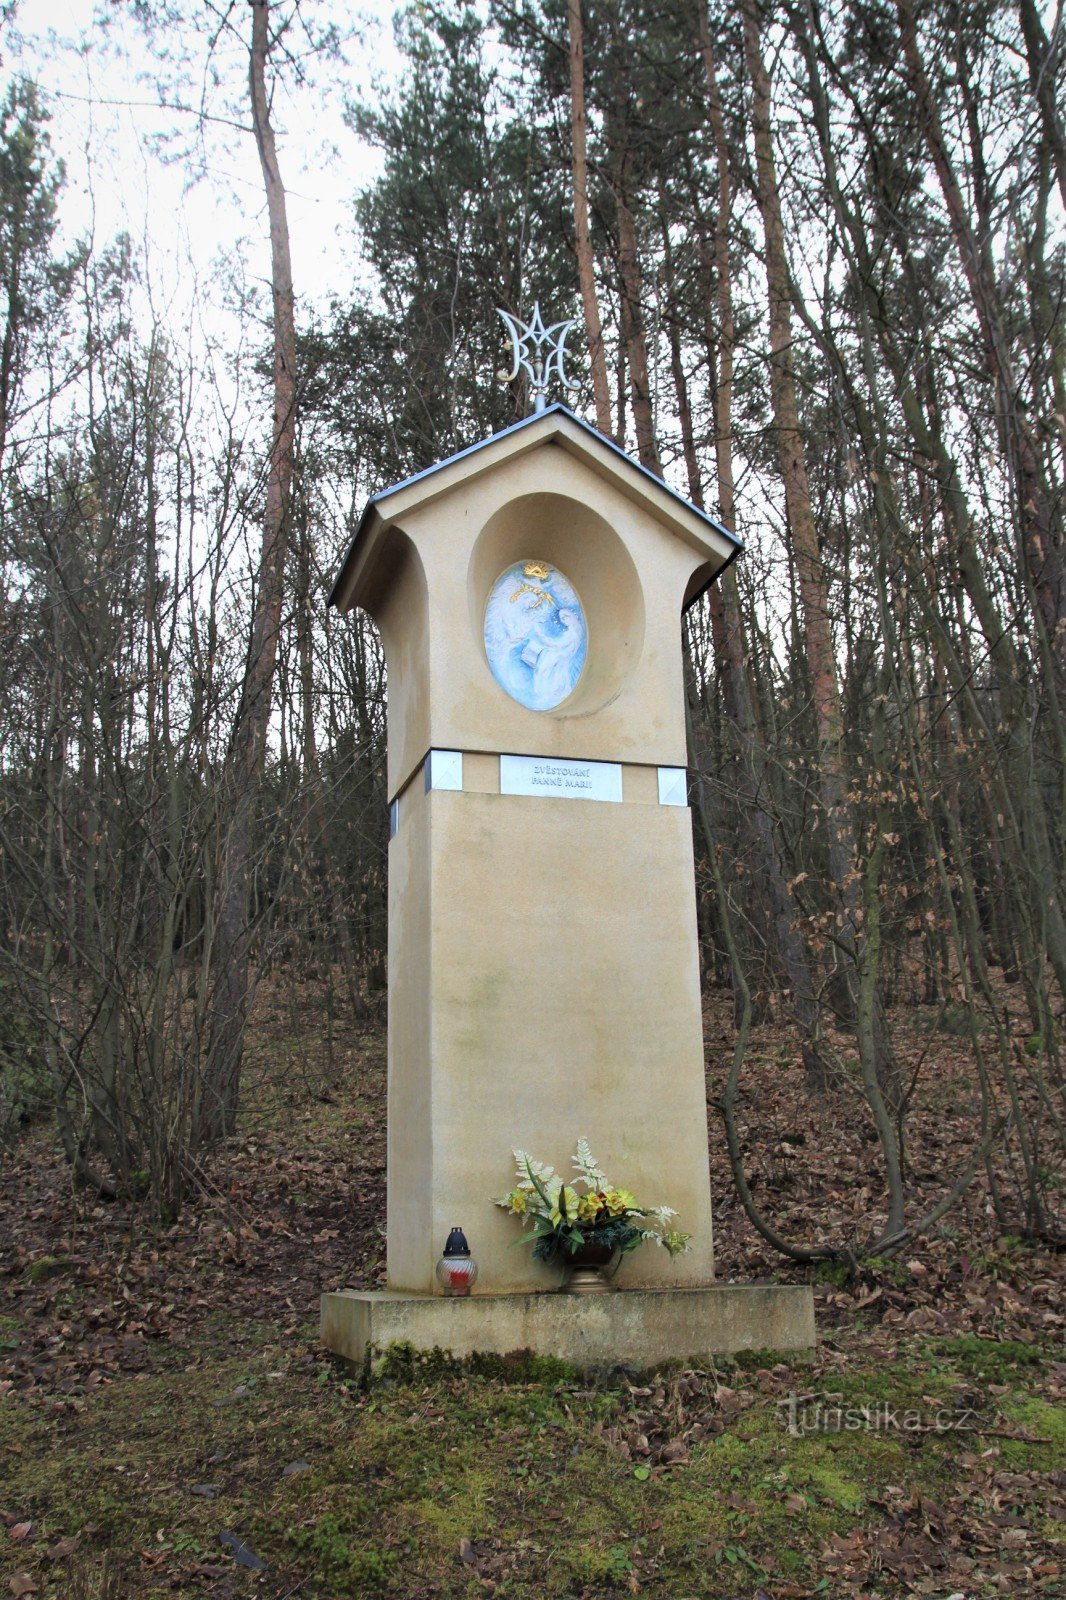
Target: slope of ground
{"points": [[169, 1426]]}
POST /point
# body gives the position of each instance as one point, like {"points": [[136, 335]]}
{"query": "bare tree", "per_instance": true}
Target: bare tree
{"points": [[249, 740], [582, 238]]}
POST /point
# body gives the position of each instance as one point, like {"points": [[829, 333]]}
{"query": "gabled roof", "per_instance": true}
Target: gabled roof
{"points": [[560, 425]]}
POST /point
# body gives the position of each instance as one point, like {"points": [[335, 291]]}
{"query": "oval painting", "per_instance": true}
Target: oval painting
{"points": [[536, 638]]}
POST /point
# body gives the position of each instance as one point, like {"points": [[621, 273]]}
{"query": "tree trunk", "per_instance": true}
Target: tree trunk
{"points": [[586, 270], [248, 745], [316, 821], [1039, 526], [633, 333], [1043, 57], [727, 622], [810, 572]]}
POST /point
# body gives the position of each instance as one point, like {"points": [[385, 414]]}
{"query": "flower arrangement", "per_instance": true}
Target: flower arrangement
{"points": [[589, 1210]]}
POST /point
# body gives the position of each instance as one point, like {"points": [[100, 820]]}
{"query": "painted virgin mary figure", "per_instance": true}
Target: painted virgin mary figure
{"points": [[535, 635]]}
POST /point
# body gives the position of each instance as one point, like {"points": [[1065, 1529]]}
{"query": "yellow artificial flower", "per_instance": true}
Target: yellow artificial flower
{"points": [[559, 1212], [676, 1243]]}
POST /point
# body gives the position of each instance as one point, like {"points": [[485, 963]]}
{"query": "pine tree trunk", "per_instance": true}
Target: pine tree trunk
{"points": [[586, 268], [248, 747], [791, 947], [810, 573], [633, 332], [1041, 529]]}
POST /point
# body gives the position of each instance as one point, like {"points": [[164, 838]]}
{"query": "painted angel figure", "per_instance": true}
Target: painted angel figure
{"points": [[554, 673], [535, 636]]}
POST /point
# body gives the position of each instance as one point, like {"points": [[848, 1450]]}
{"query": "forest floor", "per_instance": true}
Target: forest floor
{"points": [[169, 1425]]}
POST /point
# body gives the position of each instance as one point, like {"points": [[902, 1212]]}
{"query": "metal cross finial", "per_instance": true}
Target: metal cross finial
{"points": [[540, 351]]}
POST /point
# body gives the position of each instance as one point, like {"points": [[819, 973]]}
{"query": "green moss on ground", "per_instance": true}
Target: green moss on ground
{"points": [[989, 1360], [448, 1478], [1043, 1425], [45, 1267]]}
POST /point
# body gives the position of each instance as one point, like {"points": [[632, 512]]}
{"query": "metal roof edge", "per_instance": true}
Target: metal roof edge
{"points": [[645, 472], [738, 549], [558, 408]]}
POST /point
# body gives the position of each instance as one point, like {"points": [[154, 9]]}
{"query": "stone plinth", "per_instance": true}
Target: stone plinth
{"points": [[636, 1328]]}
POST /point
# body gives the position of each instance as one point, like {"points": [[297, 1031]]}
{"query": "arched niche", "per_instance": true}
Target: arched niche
{"points": [[561, 531]]}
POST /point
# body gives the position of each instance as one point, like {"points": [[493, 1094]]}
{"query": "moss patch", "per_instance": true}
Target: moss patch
{"points": [[1043, 1448], [445, 1479], [45, 1267], [402, 1362], [989, 1360]]}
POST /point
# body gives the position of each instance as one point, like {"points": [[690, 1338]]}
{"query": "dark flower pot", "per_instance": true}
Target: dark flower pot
{"points": [[591, 1254], [591, 1268]]}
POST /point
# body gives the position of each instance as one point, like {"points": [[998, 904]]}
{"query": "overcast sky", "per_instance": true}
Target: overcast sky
{"points": [[192, 193]]}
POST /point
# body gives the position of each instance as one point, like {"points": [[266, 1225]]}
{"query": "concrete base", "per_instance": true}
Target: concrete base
{"points": [[636, 1328]]}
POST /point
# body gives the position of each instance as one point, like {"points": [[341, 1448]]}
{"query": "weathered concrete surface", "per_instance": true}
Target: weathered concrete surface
{"points": [[544, 986], [544, 979], [636, 1328]]}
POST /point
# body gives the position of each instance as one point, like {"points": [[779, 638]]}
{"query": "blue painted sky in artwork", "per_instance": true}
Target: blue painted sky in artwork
{"points": [[536, 637]]}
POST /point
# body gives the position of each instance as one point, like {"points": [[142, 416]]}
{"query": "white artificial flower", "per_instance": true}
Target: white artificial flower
{"points": [[586, 1166], [524, 1165]]}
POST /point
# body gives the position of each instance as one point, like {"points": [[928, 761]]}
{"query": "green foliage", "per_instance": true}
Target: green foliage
{"points": [[464, 217], [887, 1267], [735, 1555], [564, 1218], [32, 280], [473, 211], [601, 1567], [837, 1273], [618, 1234]]}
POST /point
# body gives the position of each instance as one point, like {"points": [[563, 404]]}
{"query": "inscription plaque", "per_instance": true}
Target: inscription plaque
{"points": [[565, 780]]}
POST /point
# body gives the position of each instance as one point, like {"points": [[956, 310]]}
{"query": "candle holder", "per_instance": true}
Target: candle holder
{"points": [[456, 1269]]}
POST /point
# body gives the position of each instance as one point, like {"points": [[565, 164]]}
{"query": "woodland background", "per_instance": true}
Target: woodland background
{"points": [[819, 259], [819, 255]]}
